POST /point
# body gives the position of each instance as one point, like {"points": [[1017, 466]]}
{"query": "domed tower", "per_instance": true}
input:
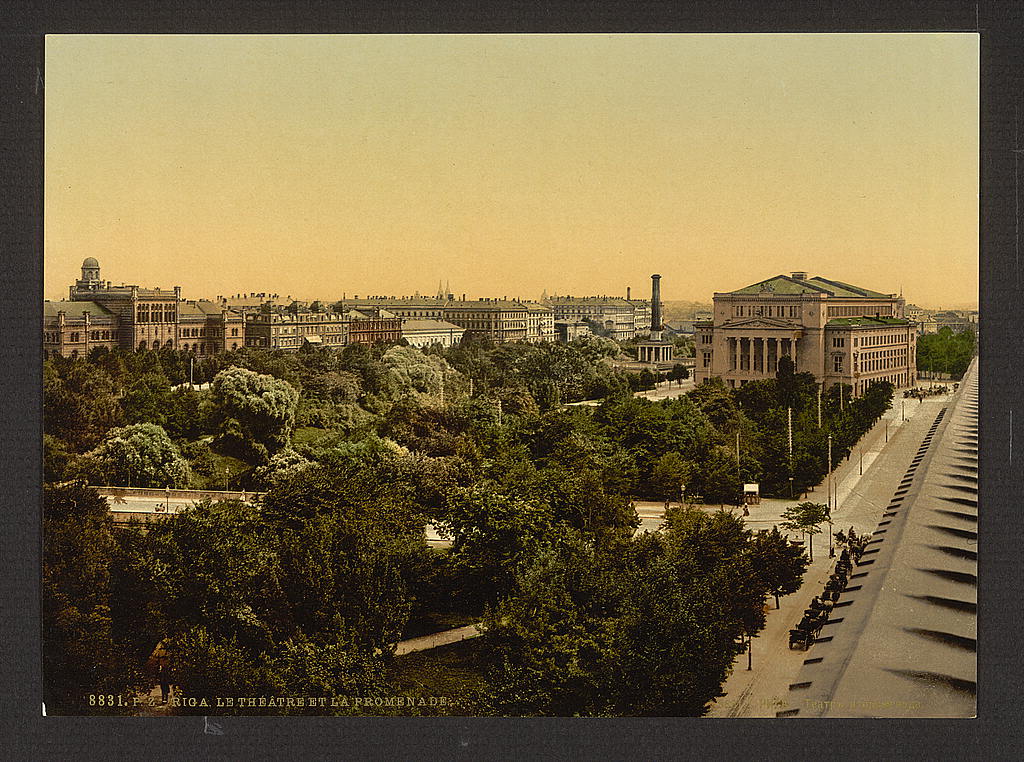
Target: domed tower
{"points": [[90, 280]]}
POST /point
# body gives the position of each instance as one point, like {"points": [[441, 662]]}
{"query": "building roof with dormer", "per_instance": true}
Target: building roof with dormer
{"points": [[74, 309], [785, 285]]}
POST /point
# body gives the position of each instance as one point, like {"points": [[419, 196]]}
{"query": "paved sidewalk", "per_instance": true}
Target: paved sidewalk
{"points": [[426, 642], [762, 691]]}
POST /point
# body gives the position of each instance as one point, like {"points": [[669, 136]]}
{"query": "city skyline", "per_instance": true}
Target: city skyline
{"points": [[314, 166]]}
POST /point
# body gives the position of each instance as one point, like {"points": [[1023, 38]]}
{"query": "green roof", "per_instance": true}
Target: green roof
{"points": [[866, 321], [784, 285], [838, 287], [74, 309]]}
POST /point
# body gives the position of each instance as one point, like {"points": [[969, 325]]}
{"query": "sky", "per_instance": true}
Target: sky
{"points": [[510, 165]]}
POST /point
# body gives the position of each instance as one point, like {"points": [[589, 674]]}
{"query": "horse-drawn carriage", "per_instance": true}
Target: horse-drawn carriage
{"points": [[819, 605], [814, 618], [801, 639], [855, 546], [817, 614], [836, 583]]}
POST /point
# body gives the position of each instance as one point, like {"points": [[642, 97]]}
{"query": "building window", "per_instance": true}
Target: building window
{"points": [[837, 363], [707, 359], [838, 342]]}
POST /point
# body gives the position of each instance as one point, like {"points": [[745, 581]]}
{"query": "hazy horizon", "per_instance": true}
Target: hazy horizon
{"points": [[509, 165]]}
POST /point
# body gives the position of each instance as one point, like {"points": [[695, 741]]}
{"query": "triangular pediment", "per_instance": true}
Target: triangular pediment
{"points": [[760, 323]]}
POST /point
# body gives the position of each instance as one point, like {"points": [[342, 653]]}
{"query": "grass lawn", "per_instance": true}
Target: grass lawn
{"points": [[309, 435], [233, 466]]}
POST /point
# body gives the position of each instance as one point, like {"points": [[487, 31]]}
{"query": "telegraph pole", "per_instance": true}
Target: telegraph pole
{"points": [[789, 426], [819, 404], [829, 486]]}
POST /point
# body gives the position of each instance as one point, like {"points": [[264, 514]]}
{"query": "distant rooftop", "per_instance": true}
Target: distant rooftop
{"points": [[429, 325], [74, 309], [867, 321], [616, 300], [786, 285]]}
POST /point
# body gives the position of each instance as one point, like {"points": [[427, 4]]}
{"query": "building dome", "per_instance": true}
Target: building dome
{"points": [[90, 262]]}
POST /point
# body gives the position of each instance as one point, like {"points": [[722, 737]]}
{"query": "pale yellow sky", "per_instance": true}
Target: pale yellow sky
{"points": [[510, 164]]}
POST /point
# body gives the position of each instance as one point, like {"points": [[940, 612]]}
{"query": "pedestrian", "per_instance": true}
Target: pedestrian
{"points": [[165, 682]]}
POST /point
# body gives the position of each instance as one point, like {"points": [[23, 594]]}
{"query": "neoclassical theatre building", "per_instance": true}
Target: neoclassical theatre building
{"points": [[839, 332]]}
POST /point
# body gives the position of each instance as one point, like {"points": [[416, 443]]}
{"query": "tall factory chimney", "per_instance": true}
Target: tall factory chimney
{"points": [[627, 293], [656, 307]]}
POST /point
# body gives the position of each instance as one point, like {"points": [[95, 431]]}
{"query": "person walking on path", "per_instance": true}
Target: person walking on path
{"points": [[164, 679]]}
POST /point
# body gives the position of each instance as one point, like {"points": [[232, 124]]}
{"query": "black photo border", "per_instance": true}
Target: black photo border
{"points": [[995, 734]]}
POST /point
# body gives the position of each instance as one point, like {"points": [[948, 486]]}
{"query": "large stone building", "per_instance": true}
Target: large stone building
{"points": [[540, 323], [100, 314], [839, 332], [500, 320], [297, 325], [423, 333], [613, 314], [622, 319]]}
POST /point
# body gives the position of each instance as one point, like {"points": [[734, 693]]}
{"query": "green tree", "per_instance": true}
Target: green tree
{"points": [[141, 455], [492, 533], [550, 641], [671, 471], [679, 373], [807, 518], [80, 654], [285, 464], [649, 627], [79, 402], [779, 564], [254, 407], [245, 592], [410, 371], [148, 399], [717, 478], [56, 458]]}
